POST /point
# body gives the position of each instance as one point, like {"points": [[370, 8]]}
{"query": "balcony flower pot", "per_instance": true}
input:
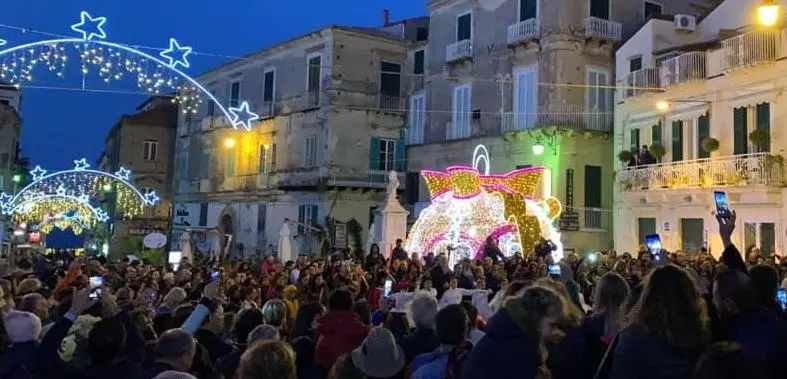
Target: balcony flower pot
{"points": [[657, 151], [760, 138], [625, 156], [710, 144]]}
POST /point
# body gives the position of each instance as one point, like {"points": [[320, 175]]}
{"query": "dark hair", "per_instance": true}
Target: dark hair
{"points": [[452, 325], [514, 287], [245, 321], [173, 344], [766, 280], [267, 359], [105, 341], [340, 299], [305, 317], [471, 312], [726, 360], [361, 309], [739, 288], [397, 324]]}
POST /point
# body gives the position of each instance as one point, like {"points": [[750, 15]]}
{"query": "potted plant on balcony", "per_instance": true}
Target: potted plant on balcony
{"points": [[710, 144], [760, 138], [657, 151], [625, 157]]}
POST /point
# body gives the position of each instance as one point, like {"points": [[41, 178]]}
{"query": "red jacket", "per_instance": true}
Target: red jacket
{"points": [[338, 333], [269, 269]]}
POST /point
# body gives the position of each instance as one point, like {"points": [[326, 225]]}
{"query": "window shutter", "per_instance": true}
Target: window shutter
{"points": [[677, 141], [263, 161], [740, 145], [656, 135], [764, 121], [273, 158], [374, 153], [703, 131], [532, 93], [400, 163], [313, 221], [301, 218]]}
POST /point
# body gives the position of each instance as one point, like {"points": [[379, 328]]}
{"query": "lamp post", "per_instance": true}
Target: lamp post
{"points": [[229, 142], [768, 13]]}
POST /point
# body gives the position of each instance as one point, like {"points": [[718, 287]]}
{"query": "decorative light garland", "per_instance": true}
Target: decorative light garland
{"points": [[467, 207], [114, 61]]}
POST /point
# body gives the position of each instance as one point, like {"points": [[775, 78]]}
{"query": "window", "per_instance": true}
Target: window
{"points": [[593, 197], [460, 112], [390, 85], [273, 158], [262, 212], [597, 98], [313, 74], [235, 93], [386, 156], [307, 214], [230, 168], [204, 165], [692, 234], [412, 187], [645, 227], [599, 9], [740, 136], [655, 135], [418, 62], [421, 34], [703, 132], [268, 88], [417, 120], [652, 9], [677, 140], [464, 26], [634, 140], [525, 96], [635, 63], [761, 235], [203, 214], [263, 160], [310, 153], [763, 114], [149, 150], [528, 9], [212, 105]]}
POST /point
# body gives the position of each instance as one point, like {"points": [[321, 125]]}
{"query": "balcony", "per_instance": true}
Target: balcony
{"points": [[388, 103], [268, 109], [760, 169], [413, 83], [458, 51], [523, 31], [600, 28], [570, 116], [457, 130], [684, 68], [751, 49], [596, 219], [636, 83], [361, 178]]}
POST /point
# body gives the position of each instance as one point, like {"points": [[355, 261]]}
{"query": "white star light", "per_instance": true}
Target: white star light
{"points": [[243, 116], [81, 164], [176, 54], [37, 173], [61, 191], [151, 198], [123, 173], [101, 215], [84, 198], [5, 201], [90, 27], [3, 42]]}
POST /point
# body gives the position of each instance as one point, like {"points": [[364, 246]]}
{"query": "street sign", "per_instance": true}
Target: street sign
{"points": [[340, 235]]}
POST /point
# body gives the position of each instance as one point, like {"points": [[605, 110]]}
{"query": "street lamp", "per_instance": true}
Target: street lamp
{"points": [[538, 148], [663, 106], [229, 142], [768, 13], [107, 187], [17, 178]]}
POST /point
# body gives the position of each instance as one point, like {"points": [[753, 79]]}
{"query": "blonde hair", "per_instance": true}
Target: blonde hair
{"points": [[267, 359], [610, 297], [27, 286], [538, 302]]}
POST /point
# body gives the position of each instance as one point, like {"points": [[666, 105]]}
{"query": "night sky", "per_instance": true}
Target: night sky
{"points": [[59, 126]]}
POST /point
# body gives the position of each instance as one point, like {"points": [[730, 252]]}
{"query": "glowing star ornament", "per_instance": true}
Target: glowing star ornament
{"points": [[84, 198], [243, 116], [81, 164], [61, 191], [124, 174], [37, 173], [3, 42], [176, 54], [90, 27], [151, 198], [101, 215]]}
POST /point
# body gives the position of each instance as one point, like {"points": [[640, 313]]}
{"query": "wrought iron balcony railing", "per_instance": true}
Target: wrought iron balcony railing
{"points": [[523, 31]]}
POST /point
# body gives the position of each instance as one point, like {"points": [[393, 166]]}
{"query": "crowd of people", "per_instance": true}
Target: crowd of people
{"points": [[346, 316]]}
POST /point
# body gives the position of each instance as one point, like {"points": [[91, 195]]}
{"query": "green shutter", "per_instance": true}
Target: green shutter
{"points": [[703, 132], [764, 121], [741, 144], [592, 186], [374, 153], [634, 141], [400, 160], [656, 135], [677, 141]]}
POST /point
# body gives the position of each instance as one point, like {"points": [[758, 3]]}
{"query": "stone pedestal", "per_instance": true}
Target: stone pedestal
{"points": [[390, 219]]}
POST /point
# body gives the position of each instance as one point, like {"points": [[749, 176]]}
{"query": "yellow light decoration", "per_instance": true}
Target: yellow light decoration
{"points": [[62, 212], [467, 207]]}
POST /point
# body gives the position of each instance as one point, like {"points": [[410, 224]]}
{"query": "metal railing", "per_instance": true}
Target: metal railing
{"points": [[730, 171], [571, 116], [413, 83], [364, 178], [750, 49], [523, 31], [391, 103], [684, 68], [313, 98], [645, 80], [457, 130], [595, 219], [267, 109], [459, 50], [603, 29]]}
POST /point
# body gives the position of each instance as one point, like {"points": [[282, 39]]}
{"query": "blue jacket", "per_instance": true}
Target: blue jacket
{"points": [[506, 352], [641, 355], [422, 341], [19, 361], [762, 337], [430, 365]]}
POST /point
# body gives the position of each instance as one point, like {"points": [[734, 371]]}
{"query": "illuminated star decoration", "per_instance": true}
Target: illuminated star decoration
{"points": [[84, 198], [176, 54], [101, 215], [4, 201], [81, 164], [3, 42], [37, 173], [151, 198], [90, 27], [61, 191], [243, 116], [123, 173]]}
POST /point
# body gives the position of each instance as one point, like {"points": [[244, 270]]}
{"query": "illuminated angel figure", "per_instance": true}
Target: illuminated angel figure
{"points": [[467, 207]]}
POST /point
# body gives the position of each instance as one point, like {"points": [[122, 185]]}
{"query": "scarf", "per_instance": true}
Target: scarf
{"points": [[456, 359]]}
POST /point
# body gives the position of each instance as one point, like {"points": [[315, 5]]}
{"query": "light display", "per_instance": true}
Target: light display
{"points": [[467, 207], [63, 199], [114, 62], [3, 42]]}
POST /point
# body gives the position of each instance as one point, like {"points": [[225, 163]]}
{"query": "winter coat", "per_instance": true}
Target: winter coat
{"points": [[19, 361], [505, 353], [640, 354], [422, 341], [338, 333]]}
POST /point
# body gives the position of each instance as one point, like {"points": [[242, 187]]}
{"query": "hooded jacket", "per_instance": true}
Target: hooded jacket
{"points": [[339, 332]]}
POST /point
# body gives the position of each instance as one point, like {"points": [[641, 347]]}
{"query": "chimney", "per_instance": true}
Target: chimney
{"points": [[386, 17]]}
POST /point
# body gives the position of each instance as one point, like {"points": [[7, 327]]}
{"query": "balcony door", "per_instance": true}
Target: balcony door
{"points": [[390, 85], [740, 135], [528, 9], [599, 9], [525, 96], [761, 235], [464, 26], [598, 103], [703, 132], [460, 112], [692, 234], [645, 227], [763, 114], [677, 140]]}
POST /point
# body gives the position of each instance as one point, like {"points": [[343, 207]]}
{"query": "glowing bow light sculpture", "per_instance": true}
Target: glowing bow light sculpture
{"points": [[468, 206]]}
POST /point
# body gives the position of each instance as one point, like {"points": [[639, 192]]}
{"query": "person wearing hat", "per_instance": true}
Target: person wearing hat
{"points": [[379, 356], [22, 329]]}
